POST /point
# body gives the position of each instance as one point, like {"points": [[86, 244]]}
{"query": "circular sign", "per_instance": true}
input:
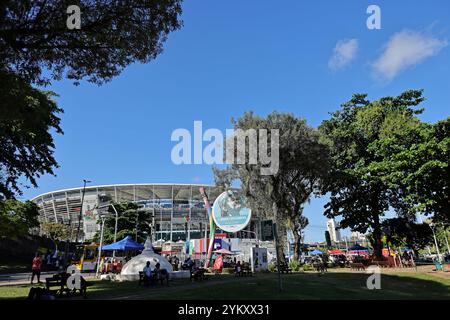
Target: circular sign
{"points": [[230, 213]]}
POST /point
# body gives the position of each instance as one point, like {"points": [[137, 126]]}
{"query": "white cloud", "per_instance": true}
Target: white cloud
{"points": [[403, 50], [344, 52]]}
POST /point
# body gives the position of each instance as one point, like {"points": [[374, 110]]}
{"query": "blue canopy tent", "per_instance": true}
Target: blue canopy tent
{"points": [[316, 252], [126, 243], [358, 249]]}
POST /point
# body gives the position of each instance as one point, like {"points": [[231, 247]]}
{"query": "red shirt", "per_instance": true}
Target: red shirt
{"points": [[36, 263]]}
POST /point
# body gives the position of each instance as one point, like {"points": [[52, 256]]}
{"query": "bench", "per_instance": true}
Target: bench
{"points": [[284, 268], [55, 282], [320, 267], [246, 271], [60, 281], [383, 264], [357, 266], [164, 275], [198, 274]]}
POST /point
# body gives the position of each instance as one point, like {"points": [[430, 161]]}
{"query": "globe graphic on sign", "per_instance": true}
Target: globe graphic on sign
{"points": [[230, 212]]}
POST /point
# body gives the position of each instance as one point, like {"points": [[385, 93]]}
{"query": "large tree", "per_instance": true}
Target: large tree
{"points": [[55, 232], [36, 46], [360, 191], [17, 218], [416, 159], [403, 232], [302, 166], [113, 34], [27, 118], [131, 222]]}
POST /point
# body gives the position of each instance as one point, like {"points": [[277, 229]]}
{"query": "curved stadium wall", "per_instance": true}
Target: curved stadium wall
{"points": [[171, 205]]}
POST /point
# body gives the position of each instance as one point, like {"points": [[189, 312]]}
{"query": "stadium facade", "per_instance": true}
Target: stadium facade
{"points": [[178, 211]]}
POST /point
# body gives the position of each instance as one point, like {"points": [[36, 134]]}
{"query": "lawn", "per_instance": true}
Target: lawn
{"points": [[333, 285]]}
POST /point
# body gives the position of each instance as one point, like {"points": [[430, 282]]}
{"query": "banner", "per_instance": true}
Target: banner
{"points": [[230, 213]]}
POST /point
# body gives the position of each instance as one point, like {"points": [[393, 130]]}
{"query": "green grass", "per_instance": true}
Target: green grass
{"points": [[333, 285]]}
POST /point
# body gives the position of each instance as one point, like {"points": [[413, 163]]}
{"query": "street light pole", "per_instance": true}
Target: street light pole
{"points": [[81, 209], [253, 232], [101, 244], [115, 228]]}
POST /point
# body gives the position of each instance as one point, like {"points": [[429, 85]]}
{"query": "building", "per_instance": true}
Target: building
{"points": [[358, 236], [178, 211], [333, 229]]}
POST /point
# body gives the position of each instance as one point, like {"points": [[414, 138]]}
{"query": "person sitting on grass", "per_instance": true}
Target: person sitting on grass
{"points": [[147, 273]]}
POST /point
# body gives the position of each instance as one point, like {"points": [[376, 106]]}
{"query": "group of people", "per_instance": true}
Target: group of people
{"points": [[156, 274], [50, 261], [320, 263], [188, 264], [110, 265], [240, 267], [174, 261]]}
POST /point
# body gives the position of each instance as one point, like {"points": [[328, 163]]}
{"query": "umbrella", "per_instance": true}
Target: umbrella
{"points": [[126, 243], [316, 252], [223, 251]]}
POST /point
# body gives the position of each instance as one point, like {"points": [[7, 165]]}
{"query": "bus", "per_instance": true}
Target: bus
{"points": [[86, 256]]}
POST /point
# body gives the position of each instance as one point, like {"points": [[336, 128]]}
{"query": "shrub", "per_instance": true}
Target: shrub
{"points": [[271, 267], [294, 265]]}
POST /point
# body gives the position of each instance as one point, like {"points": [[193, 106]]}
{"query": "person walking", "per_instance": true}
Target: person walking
{"points": [[36, 268]]}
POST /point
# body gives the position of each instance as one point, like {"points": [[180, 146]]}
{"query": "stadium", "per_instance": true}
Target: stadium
{"points": [[178, 210]]}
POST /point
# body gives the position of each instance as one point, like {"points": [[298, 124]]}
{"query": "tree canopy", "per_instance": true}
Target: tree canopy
{"points": [[17, 218], [28, 117], [36, 46], [113, 34], [416, 161], [56, 232], [130, 222], [360, 191], [302, 164], [402, 232]]}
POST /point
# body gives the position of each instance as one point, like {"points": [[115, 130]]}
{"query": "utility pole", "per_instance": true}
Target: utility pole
{"points": [[102, 217]]}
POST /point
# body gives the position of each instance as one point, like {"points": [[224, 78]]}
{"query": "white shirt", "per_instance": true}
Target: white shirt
{"points": [[148, 271]]}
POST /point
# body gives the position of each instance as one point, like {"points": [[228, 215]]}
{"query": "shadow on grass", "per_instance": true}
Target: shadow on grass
{"points": [[333, 285]]}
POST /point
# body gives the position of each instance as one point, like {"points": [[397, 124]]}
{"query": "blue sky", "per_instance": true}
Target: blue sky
{"points": [[235, 56]]}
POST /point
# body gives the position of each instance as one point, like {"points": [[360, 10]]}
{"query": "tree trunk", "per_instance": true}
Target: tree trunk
{"points": [[297, 245], [376, 226], [376, 235], [277, 246]]}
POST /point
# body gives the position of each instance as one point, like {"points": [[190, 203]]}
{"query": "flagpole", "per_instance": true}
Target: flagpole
{"points": [[211, 226]]}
